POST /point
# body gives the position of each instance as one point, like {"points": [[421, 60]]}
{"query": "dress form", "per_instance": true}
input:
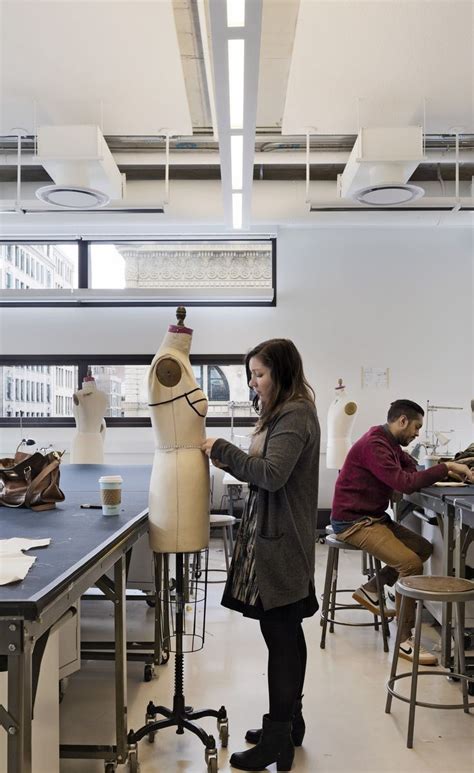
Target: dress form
{"points": [[179, 486], [89, 405], [341, 418]]}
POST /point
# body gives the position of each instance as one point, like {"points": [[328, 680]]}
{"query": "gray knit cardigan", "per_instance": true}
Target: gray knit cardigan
{"points": [[287, 481]]}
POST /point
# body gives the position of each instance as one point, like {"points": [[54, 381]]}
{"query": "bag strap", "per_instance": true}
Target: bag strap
{"points": [[35, 483]]}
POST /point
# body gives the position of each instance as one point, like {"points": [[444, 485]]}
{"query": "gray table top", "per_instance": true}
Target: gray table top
{"points": [[448, 492], [78, 537]]}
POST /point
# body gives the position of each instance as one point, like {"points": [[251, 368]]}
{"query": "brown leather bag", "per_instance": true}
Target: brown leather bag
{"points": [[31, 480]]}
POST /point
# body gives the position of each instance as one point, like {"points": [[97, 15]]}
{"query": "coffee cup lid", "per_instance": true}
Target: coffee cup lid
{"points": [[111, 479]]}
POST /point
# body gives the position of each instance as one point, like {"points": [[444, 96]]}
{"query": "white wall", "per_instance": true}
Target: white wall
{"points": [[398, 298]]}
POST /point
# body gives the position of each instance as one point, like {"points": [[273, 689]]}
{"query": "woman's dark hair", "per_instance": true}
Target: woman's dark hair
{"points": [[283, 359]]}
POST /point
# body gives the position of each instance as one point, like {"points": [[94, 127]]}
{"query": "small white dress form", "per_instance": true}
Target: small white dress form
{"points": [[89, 405], [341, 418], [179, 486]]}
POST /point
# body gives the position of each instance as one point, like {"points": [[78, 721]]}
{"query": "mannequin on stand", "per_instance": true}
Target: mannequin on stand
{"points": [[179, 521], [179, 486], [341, 418], [89, 405]]}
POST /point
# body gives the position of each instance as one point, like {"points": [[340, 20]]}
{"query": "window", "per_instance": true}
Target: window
{"points": [[124, 379], [198, 272], [183, 264], [217, 384]]}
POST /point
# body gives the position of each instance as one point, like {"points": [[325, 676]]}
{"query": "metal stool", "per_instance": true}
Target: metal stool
{"points": [[330, 606], [226, 523], [448, 590]]}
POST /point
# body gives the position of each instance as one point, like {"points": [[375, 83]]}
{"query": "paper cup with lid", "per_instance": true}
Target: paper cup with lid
{"points": [[110, 493]]}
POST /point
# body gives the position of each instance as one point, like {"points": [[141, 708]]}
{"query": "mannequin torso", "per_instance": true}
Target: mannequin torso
{"points": [[89, 405], [179, 486], [341, 418]]}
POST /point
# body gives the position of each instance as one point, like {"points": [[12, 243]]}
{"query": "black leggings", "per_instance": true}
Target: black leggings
{"points": [[286, 666]]}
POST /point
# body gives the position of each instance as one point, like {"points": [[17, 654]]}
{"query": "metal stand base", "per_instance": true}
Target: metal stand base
{"points": [[182, 716]]}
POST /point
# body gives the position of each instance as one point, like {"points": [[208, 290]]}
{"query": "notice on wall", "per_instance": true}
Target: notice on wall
{"points": [[375, 378]]}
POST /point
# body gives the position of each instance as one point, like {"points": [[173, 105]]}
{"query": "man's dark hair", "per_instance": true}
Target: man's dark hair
{"points": [[404, 408]]}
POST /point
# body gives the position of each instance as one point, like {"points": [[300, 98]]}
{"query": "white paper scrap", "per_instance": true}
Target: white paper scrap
{"points": [[14, 565]]}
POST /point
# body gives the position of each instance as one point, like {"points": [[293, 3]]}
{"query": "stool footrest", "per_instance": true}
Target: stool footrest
{"points": [[424, 703]]}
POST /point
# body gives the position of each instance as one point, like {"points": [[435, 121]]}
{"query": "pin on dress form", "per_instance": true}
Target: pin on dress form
{"points": [[179, 486], [341, 418], [89, 406]]}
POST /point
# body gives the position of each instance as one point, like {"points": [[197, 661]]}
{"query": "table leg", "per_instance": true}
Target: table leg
{"points": [[120, 659], [19, 759], [448, 571]]}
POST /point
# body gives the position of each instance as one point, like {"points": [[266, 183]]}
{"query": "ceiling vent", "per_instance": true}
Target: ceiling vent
{"points": [[79, 161], [380, 165]]}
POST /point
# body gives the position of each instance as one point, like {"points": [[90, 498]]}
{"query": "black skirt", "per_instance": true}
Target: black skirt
{"points": [[295, 611]]}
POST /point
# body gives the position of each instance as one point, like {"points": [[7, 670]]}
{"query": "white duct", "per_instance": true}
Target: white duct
{"points": [[79, 161], [380, 165]]}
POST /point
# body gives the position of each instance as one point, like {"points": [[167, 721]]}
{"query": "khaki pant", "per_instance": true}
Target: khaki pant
{"points": [[403, 552]]}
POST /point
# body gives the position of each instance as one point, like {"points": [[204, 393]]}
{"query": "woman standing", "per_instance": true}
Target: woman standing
{"points": [[272, 573]]}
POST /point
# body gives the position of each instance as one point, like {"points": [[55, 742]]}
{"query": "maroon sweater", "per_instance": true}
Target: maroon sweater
{"points": [[374, 467]]}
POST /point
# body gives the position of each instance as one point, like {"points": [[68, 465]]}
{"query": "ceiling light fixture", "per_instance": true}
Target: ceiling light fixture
{"points": [[236, 13], [236, 210], [236, 160], [236, 53], [236, 61]]}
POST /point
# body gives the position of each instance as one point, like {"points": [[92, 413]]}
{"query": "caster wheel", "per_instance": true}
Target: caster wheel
{"points": [[211, 759], [165, 656], [148, 673], [133, 764], [223, 732], [110, 767], [151, 735], [150, 602]]}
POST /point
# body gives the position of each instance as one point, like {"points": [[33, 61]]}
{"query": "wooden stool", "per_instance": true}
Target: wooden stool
{"points": [[447, 590]]}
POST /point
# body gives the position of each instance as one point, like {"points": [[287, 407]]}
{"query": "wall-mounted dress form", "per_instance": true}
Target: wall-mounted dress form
{"points": [[89, 405], [341, 418], [179, 486]]}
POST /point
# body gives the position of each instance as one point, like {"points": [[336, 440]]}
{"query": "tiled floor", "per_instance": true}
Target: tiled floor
{"points": [[347, 729]]}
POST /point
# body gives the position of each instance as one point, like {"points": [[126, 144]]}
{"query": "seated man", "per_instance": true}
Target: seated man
{"points": [[374, 467]]}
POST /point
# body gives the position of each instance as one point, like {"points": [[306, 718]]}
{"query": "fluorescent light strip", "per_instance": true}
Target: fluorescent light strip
{"points": [[236, 13], [236, 210], [236, 160], [236, 50]]}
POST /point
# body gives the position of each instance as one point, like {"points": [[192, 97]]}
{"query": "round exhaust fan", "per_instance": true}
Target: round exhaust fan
{"points": [[387, 194], [72, 196]]}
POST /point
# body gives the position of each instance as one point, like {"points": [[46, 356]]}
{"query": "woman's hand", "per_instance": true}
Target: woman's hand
{"points": [[207, 445], [207, 448]]}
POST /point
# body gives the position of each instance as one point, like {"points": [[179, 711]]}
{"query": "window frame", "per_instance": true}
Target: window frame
{"points": [[84, 273], [83, 362]]}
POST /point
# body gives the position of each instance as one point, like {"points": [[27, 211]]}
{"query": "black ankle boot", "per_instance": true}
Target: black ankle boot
{"points": [[298, 727], [275, 745]]}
